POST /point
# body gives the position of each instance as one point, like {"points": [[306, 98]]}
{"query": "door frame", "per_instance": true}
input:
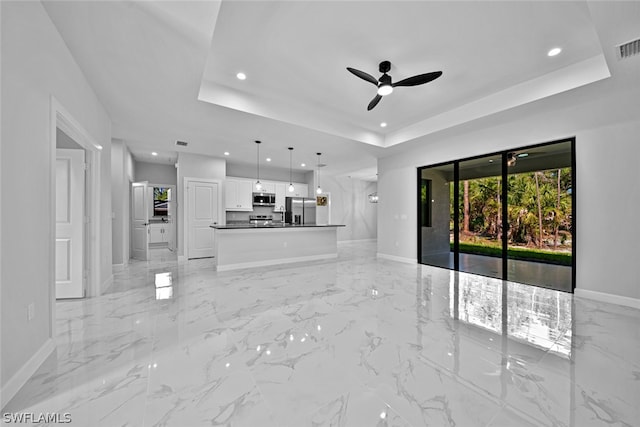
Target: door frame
{"points": [[62, 119], [504, 195], [174, 224], [185, 210]]}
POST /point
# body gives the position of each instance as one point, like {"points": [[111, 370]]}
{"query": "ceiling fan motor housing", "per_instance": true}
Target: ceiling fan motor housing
{"points": [[385, 66]]}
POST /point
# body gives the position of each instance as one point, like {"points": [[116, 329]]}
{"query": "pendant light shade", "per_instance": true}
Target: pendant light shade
{"points": [[291, 188], [319, 189], [258, 183]]}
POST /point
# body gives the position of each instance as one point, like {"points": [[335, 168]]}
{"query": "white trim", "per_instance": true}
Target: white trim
{"points": [[275, 262], [609, 298], [396, 258], [185, 209], [61, 118], [27, 370], [357, 241]]}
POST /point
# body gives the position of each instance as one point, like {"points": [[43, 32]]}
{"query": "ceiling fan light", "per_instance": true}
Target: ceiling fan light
{"points": [[384, 90]]}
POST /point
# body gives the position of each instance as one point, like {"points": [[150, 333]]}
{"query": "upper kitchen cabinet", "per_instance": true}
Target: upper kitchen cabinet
{"points": [[300, 190], [238, 194], [268, 187], [281, 193]]}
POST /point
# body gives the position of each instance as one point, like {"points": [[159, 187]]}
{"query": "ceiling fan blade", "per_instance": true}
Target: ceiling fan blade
{"points": [[419, 79], [374, 102], [363, 75]]}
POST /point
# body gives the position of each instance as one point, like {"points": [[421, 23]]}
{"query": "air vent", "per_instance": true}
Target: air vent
{"points": [[629, 49], [182, 143]]}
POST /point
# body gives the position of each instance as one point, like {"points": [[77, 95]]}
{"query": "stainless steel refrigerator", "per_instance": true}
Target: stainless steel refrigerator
{"points": [[300, 210]]}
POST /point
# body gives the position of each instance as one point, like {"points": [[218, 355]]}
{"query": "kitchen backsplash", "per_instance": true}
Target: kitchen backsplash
{"points": [[257, 210]]}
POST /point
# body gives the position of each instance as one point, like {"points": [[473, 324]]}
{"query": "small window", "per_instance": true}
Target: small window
{"points": [[161, 198]]}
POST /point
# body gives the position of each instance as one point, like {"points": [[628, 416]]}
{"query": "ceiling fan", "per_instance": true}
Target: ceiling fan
{"points": [[384, 84]]}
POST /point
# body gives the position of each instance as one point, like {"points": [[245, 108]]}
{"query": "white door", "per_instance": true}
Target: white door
{"points": [[202, 213], [140, 221], [69, 223]]}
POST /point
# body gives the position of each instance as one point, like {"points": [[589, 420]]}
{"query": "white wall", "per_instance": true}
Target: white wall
{"points": [[350, 206], [155, 173], [37, 65], [196, 166], [604, 119], [122, 172]]}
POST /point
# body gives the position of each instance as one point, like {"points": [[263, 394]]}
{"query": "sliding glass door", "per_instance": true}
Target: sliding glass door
{"points": [[480, 216], [508, 215], [540, 206]]}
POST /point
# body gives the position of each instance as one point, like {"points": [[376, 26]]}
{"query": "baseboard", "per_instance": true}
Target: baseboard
{"points": [[275, 262], [106, 284], [117, 267], [357, 241], [396, 258], [610, 298], [15, 383]]}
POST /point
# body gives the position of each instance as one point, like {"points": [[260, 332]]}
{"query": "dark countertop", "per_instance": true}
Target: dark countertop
{"points": [[276, 225]]}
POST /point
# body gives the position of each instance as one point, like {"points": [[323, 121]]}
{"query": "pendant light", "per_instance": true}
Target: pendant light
{"points": [[291, 188], [258, 183], [319, 190]]}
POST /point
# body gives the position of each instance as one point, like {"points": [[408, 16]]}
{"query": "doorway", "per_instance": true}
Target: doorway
{"points": [[66, 130], [153, 218], [203, 208], [508, 215]]}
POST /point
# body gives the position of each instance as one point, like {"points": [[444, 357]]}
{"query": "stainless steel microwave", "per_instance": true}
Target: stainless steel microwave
{"points": [[264, 199]]}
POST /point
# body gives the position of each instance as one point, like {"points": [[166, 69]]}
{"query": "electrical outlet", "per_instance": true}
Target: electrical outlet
{"points": [[31, 312]]}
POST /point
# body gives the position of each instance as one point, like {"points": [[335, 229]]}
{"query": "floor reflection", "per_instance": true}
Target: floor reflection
{"points": [[536, 316]]}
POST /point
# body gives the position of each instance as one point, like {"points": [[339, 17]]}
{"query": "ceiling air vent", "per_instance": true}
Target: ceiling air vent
{"points": [[182, 143], [629, 49]]}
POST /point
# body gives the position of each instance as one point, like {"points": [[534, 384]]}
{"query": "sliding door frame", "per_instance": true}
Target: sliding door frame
{"points": [[504, 205]]}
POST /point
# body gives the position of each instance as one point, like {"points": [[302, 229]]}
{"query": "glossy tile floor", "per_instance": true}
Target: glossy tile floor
{"points": [[350, 342]]}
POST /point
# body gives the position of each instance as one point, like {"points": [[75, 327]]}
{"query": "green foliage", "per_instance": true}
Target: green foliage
{"points": [[526, 254], [485, 207], [160, 193]]}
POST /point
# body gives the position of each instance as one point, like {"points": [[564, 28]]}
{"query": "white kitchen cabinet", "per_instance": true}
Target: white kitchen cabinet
{"points": [[268, 186], [159, 233], [281, 192], [301, 190], [238, 194]]}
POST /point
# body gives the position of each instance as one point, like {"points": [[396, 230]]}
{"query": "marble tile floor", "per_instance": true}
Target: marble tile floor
{"points": [[356, 341]]}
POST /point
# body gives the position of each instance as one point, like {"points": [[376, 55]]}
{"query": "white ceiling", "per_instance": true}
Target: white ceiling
{"points": [[165, 71]]}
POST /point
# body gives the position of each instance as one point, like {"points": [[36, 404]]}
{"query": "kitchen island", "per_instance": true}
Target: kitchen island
{"points": [[256, 245]]}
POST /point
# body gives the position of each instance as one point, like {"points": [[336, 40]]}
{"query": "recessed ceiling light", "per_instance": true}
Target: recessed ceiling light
{"points": [[153, 153], [226, 153], [383, 125], [241, 76], [555, 51], [268, 159], [302, 164], [490, 160]]}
